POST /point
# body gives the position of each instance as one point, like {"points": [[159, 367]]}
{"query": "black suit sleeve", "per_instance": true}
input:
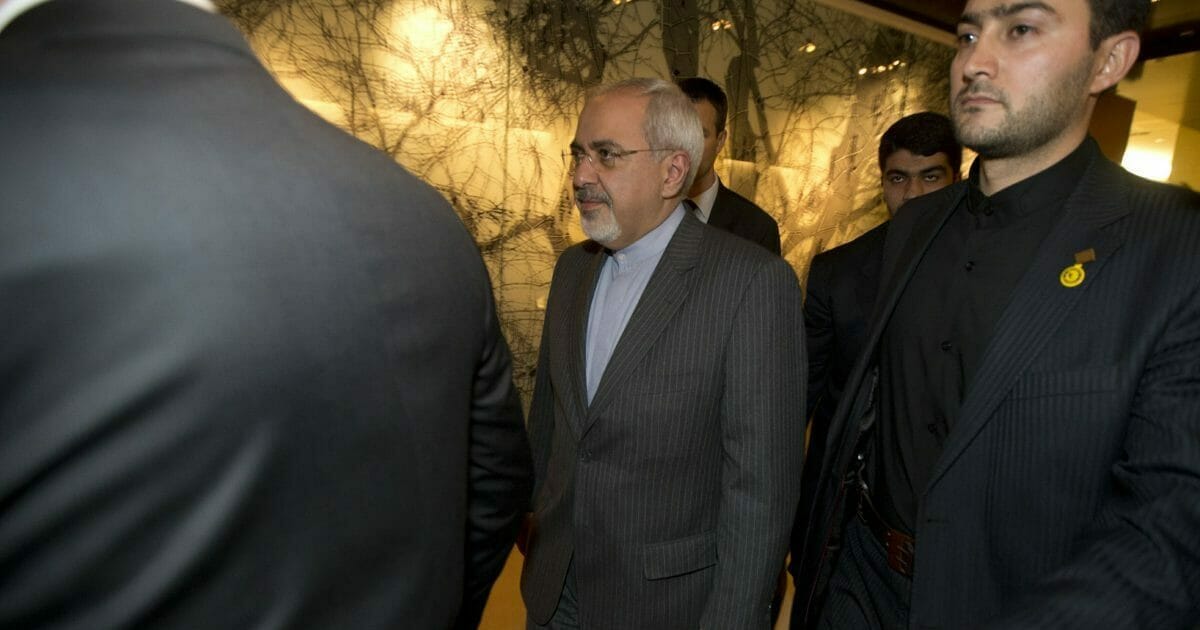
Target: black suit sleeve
{"points": [[770, 240], [819, 338], [500, 473], [818, 328]]}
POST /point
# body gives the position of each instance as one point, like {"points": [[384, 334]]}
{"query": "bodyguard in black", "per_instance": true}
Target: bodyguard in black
{"points": [[1051, 477], [918, 154], [937, 335], [714, 203]]}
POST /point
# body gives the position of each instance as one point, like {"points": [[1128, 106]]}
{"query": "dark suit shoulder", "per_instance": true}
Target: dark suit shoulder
{"points": [[1148, 195], [744, 218], [1157, 218], [869, 243], [748, 210], [728, 255]]}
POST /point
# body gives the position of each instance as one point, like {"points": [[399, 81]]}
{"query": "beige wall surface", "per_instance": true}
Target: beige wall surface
{"points": [[479, 98]]}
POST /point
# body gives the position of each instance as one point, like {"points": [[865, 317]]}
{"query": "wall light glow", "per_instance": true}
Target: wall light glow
{"points": [[1148, 163], [425, 28]]}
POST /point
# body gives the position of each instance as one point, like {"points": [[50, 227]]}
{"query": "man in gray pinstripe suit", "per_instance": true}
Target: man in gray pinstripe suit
{"points": [[667, 415]]}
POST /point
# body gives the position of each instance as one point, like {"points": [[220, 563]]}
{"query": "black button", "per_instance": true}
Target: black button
{"points": [[970, 265], [932, 427], [947, 346], [585, 456]]}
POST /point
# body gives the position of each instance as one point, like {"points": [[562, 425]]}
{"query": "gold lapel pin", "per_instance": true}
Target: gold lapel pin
{"points": [[1074, 275]]}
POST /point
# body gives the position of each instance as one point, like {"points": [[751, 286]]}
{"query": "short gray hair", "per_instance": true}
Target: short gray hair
{"points": [[671, 119]]}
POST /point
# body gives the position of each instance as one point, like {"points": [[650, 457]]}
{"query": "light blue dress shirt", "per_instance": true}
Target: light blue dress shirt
{"points": [[618, 290]]}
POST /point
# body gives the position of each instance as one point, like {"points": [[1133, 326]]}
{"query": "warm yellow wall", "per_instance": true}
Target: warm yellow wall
{"points": [[479, 98]]}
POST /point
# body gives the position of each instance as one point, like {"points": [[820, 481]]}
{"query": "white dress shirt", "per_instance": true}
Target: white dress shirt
{"points": [[704, 203]]}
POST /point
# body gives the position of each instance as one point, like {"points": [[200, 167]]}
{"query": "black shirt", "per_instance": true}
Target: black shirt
{"points": [[940, 329]]}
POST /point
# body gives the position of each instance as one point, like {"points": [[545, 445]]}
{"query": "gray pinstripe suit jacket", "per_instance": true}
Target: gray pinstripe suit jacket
{"points": [[1068, 494], [674, 490]]}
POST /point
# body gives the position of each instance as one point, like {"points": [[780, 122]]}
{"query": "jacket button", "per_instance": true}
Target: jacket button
{"points": [[585, 456]]}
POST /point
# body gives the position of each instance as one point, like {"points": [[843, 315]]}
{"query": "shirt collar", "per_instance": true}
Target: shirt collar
{"points": [[12, 9], [652, 244], [705, 200], [1047, 189]]}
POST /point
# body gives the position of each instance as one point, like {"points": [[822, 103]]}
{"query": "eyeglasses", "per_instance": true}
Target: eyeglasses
{"points": [[604, 158]]}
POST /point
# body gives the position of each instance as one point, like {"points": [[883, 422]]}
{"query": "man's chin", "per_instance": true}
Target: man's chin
{"points": [[602, 234]]}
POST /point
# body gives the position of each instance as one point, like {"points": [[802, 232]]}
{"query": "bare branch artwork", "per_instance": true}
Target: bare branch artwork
{"points": [[479, 98]]}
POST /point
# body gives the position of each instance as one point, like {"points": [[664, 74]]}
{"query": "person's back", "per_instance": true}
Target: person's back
{"points": [[240, 349]]}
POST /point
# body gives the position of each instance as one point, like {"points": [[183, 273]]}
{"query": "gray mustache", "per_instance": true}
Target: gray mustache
{"points": [[585, 196]]}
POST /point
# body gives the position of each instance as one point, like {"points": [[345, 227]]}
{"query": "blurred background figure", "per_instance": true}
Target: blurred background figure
{"points": [[714, 203], [252, 372]]}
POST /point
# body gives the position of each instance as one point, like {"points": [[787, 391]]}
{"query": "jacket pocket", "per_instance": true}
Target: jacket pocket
{"points": [[682, 555]]}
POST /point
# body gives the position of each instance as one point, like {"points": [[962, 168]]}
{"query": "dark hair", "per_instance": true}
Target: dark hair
{"points": [[699, 88], [923, 133], [1110, 17]]}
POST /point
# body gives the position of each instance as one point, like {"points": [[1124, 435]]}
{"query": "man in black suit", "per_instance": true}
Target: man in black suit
{"points": [[252, 372], [715, 204], [1019, 443], [665, 422], [918, 154]]}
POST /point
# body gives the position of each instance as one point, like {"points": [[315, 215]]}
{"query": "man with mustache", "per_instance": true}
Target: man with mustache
{"points": [[1020, 442], [666, 419]]}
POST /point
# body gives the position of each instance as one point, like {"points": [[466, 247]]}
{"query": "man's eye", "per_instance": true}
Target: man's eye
{"points": [[1022, 29], [608, 156], [896, 179], [965, 39], [933, 178]]}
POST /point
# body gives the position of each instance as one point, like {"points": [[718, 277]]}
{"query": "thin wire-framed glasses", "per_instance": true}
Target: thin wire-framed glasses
{"points": [[604, 158]]}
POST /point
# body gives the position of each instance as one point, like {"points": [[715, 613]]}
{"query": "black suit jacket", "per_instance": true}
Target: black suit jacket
{"points": [[673, 491], [839, 295], [252, 371], [734, 213], [1068, 494]]}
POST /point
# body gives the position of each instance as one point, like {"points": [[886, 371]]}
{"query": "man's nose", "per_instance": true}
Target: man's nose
{"points": [[914, 188]]}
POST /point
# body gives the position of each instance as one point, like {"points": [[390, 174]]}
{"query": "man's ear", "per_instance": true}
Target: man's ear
{"points": [[675, 174], [721, 139], [1115, 56]]}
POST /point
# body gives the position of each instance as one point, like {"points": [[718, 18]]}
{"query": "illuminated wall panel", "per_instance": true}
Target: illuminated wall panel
{"points": [[479, 98]]}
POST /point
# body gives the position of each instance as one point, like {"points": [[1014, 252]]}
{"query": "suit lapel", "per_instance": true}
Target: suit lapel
{"points": [[903, 248], [668, 286], [575, 348], [1040, 302]]}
